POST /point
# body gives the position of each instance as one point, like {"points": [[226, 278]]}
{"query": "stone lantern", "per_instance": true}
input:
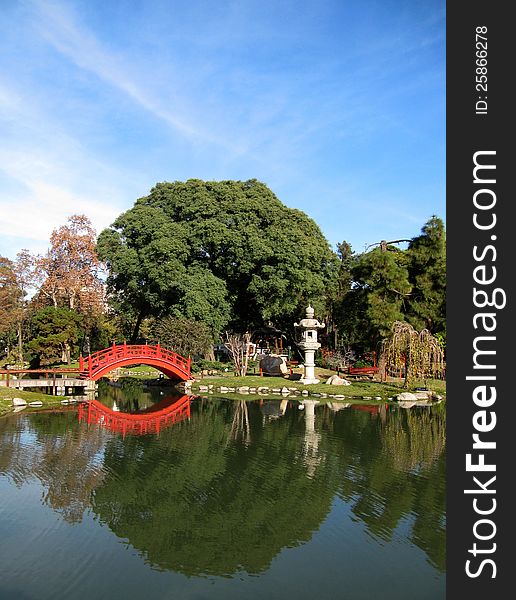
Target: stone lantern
{"points": [[309, 344]]}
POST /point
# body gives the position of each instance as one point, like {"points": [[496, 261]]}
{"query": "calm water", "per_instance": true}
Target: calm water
{"points": [[240, 501]]}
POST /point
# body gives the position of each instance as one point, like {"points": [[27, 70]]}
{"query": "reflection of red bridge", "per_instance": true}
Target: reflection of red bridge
{"points": [[148, 422], [99, 363]]}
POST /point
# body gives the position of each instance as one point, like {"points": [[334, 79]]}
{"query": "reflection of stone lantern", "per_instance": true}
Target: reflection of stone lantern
{"points": [[309, 344], [311, 439]]}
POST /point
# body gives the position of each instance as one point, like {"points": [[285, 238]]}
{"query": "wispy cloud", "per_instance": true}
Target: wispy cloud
{"points": [[99, 101], [45, 168], [61, 28]]}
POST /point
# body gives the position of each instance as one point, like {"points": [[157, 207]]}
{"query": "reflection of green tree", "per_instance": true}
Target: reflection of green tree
{"points": [[206, 497], [193, 504], [128, 394], [395, 471], [64, 459], [131, 396]]}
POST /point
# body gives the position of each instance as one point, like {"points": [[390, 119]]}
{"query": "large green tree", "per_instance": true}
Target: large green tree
{"points": [[377, 296], [388, 284], [13, 306], [10, 298], [336, 295], [225, 253], [427, 272]]}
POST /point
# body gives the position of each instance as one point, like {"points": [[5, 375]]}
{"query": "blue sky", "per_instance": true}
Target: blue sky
{"points": [[337, 105]]}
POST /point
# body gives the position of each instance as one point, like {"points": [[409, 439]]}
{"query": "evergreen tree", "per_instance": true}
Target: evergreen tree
{"points": [[427, 272], [377, 298]]}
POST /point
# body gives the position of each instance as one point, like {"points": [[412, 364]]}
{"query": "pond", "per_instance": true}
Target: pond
{"points": [[261, 499]]}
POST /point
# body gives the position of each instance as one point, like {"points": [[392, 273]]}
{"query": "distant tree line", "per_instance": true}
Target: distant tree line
{"points": [[197, 259]]}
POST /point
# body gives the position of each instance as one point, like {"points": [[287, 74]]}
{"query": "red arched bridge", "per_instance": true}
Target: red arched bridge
{"points": [[94, 412], [96, 365]]}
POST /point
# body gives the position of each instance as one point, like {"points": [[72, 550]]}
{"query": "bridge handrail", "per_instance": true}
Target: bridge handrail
{"points": [[122, 351], [173, 409], [96, 412]]}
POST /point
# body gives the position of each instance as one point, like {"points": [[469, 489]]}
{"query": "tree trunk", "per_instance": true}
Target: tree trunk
{"points": [[137, 326], [86, 344], [66, 353], [19, 333], [407, 371]]}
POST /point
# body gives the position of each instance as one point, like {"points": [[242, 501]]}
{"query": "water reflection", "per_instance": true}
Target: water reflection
{"points": [[169, 411], [54, 450], [398, 472], [227, 490]]}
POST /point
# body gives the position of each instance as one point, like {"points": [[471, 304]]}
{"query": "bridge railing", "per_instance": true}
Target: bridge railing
{"points": [[123, 351]]}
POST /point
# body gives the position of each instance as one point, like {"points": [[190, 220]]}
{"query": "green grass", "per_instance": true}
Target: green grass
{"points": [[140, 371], [357, 388], [7, 394]]}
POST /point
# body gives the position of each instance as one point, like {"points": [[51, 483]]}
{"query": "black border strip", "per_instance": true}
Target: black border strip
{"points": [[468, 132]]}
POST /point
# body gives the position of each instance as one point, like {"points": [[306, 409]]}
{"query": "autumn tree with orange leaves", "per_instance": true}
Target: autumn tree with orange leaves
{"points": [[67, 276]]}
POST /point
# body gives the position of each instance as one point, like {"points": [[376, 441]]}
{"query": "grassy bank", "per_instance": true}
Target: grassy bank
{"points": [[357, 389], [7, 395]]}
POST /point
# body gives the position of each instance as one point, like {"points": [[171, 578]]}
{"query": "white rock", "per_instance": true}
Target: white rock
{"points": [[336, 380], [407, 397], [19, 402], [426, 395], [36, 403]]}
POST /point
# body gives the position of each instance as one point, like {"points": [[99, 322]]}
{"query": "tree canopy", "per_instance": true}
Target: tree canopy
{"points": [[54, 333], [13, 306], [387, 284], [227, 253], [186, 337], [10, 295], [427, 271], [68, 274]]}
